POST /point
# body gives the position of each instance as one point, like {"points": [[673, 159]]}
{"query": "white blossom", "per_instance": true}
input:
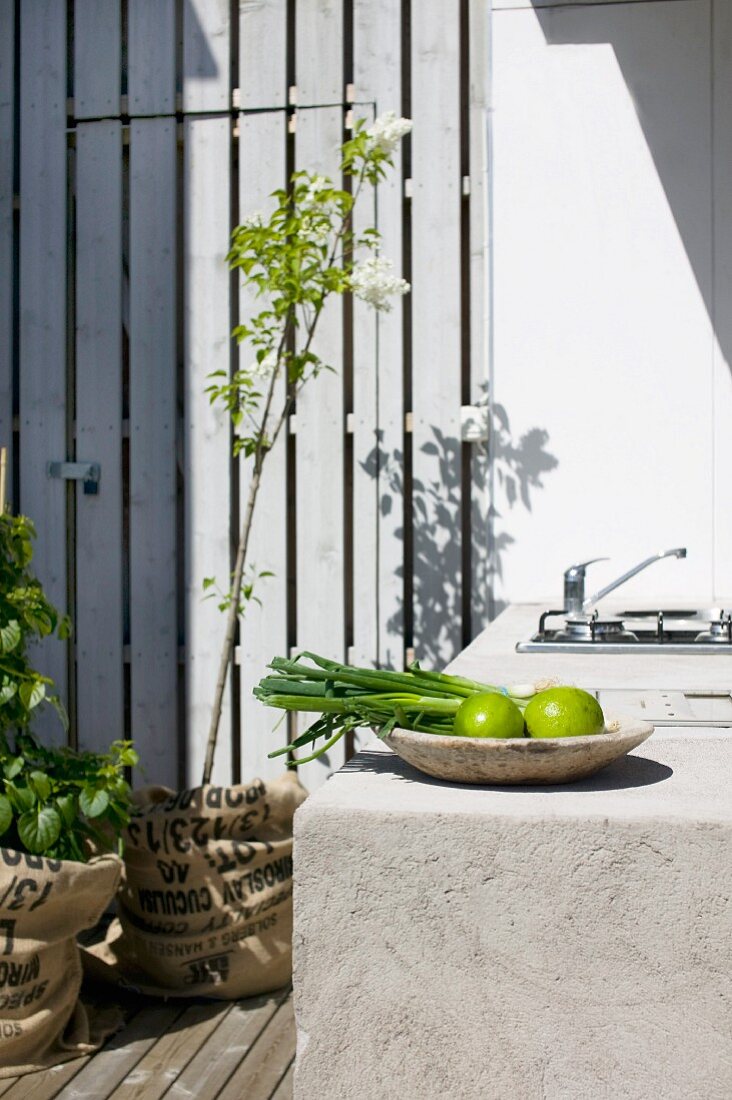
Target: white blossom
{"points": [[253, 221], [387, 131], [314, 185], [265, 367], [373, 281]]}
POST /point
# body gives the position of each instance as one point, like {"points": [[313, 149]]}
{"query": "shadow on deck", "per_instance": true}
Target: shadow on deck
{"points": [[195, 1050]]}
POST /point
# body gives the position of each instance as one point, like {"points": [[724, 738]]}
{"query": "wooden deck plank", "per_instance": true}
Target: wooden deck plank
{"points": [[46, 1084], [209, 1071], [205, 1050], [104, 1071], [260, 1072], [169, 1056], [286, 1087]]}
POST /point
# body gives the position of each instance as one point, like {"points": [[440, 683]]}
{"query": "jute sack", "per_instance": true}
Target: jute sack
{"points": [[205, 906], [44, 903]]}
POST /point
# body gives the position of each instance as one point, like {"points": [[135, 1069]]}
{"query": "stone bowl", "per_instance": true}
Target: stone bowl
{"points": [[517, 760]]}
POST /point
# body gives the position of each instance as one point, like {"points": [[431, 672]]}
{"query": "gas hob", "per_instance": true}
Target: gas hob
{"points": [[677, 630]]}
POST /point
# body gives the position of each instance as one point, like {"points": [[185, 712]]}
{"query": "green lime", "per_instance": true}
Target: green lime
{"points": [[488, 714], [564, 712]]}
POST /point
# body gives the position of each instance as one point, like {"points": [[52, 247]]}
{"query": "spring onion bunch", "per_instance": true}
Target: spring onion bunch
{"points": [[346, 697]]}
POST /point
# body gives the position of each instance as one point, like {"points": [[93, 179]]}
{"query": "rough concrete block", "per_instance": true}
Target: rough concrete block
{"points": [[518, 944]]}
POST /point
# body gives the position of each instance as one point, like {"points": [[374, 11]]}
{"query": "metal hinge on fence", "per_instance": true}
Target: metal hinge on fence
{"points": [[88, 472]]}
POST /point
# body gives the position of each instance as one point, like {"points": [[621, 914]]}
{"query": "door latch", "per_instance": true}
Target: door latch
{"points": [[88, 472]]}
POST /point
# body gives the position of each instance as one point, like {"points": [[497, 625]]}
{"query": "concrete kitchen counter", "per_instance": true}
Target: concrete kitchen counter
{"points": [[565, 943]]}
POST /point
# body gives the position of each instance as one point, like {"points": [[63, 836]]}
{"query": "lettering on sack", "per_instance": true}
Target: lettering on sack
{"points": [[176, 950], [250, 930], [22, 998], [174, 902], [213, 970], [262, 878], [173, 871], [15, 973], [246, 912], [10, 1030], [157, 927], [11, 858]]}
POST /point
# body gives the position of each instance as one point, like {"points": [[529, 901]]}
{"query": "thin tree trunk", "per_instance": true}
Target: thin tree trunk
{"points": [[231, 621]]}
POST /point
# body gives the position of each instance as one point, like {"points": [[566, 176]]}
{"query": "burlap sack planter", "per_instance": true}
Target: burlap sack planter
{"points": [[44, 903], [205, 905]]}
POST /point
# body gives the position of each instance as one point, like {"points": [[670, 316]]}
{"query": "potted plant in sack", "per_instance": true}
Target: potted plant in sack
{"points": [[206, 907], [58, 811]]}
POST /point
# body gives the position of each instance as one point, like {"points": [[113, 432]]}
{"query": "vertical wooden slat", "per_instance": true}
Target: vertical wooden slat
{"points": [[262, 168], [7, 140], [207, 173], [320, 414], [43, 307], [436, 330], [98, 357], [153, 621], [366, 454], [151, 56], [97, 36], [377, 74], [207, 55], [479, 77], [99, 570], [722, 283]]}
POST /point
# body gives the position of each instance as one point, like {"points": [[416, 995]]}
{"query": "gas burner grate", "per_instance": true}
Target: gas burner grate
{"points": [[674, 630]]}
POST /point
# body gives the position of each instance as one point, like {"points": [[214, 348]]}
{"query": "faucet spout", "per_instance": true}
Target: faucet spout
{"points": [[677, 552]]}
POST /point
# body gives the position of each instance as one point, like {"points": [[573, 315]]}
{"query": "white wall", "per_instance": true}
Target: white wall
{"points": [[611, 160]]}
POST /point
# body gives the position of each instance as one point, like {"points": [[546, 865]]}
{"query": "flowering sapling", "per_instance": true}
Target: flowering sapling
{"points": [[294, 260]]}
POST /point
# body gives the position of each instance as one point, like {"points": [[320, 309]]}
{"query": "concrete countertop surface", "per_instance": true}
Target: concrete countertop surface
{"points": [[492, 658], [677, 774]]}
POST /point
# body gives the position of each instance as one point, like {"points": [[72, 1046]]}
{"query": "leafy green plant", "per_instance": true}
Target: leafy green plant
{"points": [[294, 260], [53, 801], [26, 616], [60, 803]]}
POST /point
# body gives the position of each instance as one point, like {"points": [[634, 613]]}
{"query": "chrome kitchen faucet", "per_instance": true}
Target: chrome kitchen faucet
{"points": [[574, 580]]}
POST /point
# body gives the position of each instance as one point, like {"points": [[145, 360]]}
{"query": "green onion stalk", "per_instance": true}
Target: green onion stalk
{"points": [[346, 698]]}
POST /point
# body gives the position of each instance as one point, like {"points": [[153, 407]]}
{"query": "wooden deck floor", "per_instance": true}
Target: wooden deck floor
{"points": [[239, 1050]]}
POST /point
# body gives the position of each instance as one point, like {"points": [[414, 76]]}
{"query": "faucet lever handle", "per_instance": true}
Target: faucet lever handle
{"points": [[578, 570]]}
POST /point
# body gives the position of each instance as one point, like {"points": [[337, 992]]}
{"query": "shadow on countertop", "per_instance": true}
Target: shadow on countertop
{"points": [[629, 771]]}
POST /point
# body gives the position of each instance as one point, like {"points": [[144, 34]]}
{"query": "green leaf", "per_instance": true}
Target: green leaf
{"points": [[6, 814], [93, 802], [128, 757], [39, 828], [21, 798], [13, 767], [32, 693], [8, 691], [10, 636], [40, 784], [208, 582], [67, 807]]}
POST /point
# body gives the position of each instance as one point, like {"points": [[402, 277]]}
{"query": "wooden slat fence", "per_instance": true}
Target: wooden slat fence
{"points": [[133, 136]]}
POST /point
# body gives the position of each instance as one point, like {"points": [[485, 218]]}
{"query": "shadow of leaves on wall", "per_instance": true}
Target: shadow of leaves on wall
{"points": [[516, 468], [510, 470]]}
